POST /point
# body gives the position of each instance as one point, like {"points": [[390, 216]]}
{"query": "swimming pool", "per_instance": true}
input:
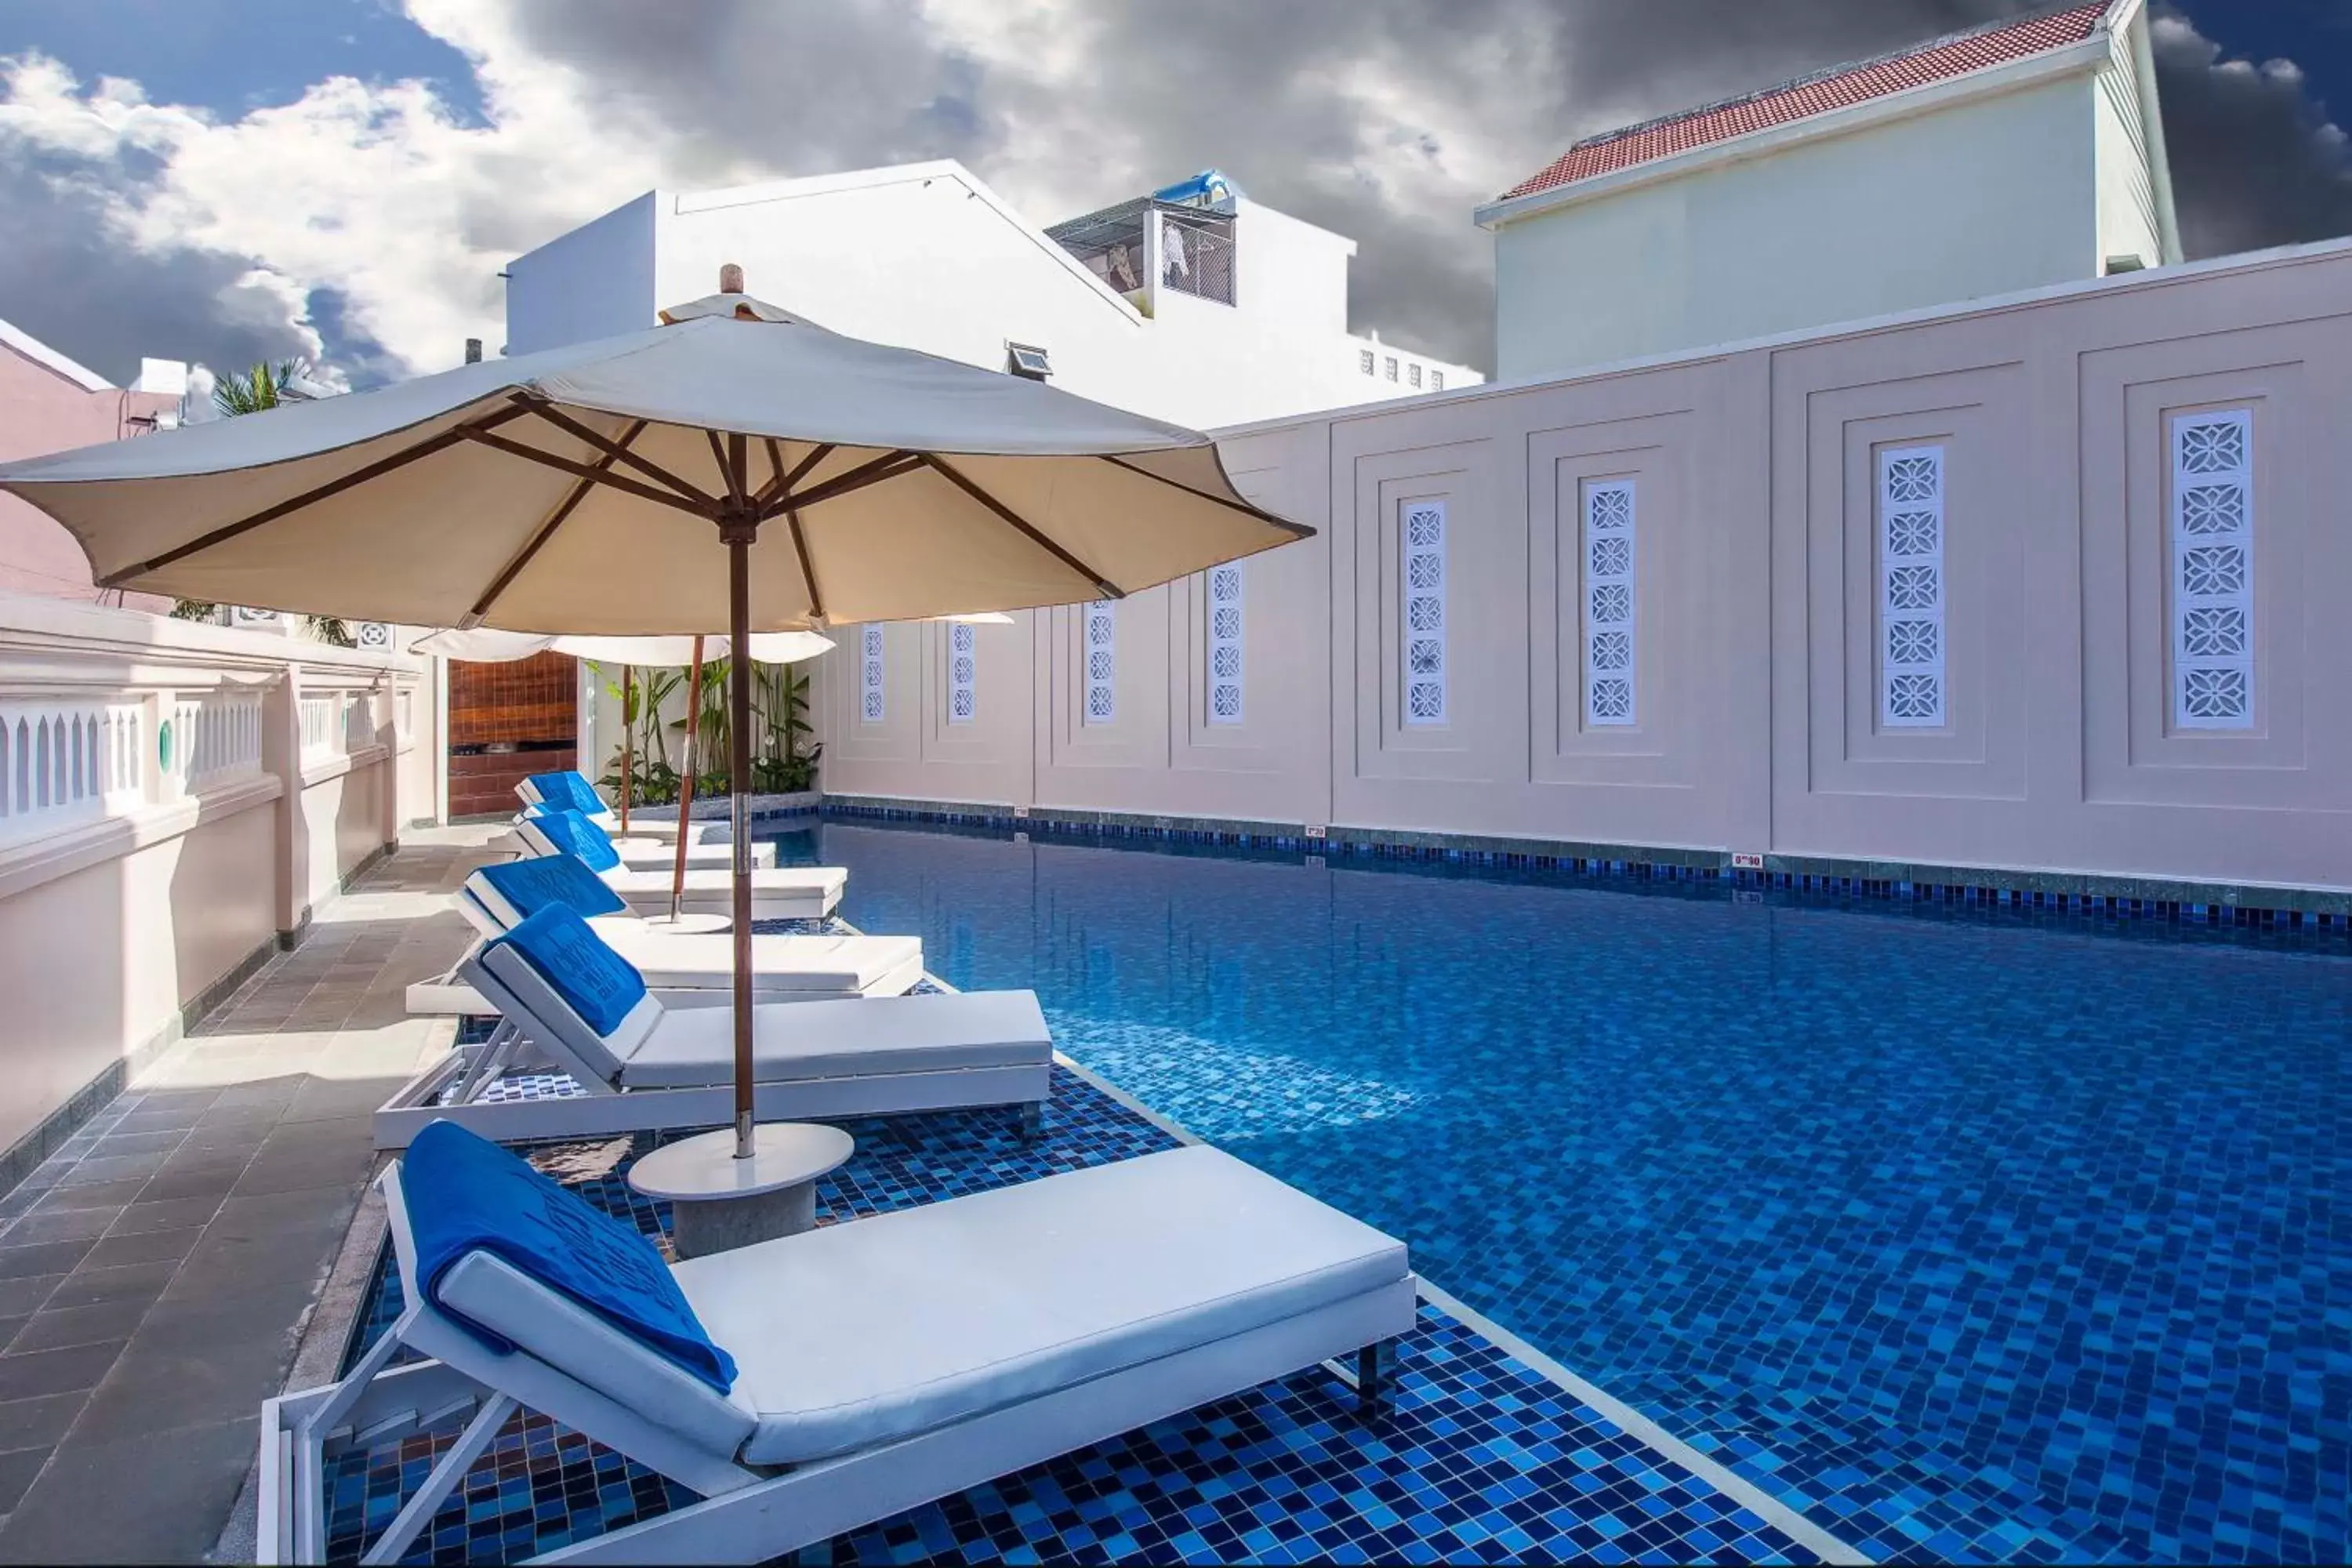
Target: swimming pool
{"points": [[1971, 1234]]}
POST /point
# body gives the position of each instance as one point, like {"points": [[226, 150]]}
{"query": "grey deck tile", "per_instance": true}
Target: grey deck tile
{"points": [[40, 1422], [142, 1246], [167, 1213], [43, 1258], [22, 1297], [63, 1224], [17, 1472], [126, 1282], [188, 1479], [63, 1328], [32, 1373]]}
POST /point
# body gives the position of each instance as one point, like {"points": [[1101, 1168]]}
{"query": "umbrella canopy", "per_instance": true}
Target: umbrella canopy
{"points": [[484, 645], [579, 489], [734, 466]]}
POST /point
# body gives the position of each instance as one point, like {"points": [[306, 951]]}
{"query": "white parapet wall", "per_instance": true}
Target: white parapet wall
{"points": [[2046, 585], [175, 800]]}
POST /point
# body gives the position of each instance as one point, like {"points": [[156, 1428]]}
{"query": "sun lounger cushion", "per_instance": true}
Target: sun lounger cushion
{"points": [[572, 833], [569, 788], [905, 1320], [693, 1047], [779, 963], [466, 1195], [516, 890], [583, 970]]}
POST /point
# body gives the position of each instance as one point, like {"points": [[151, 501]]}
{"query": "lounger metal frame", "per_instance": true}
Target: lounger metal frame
{"points": [[749, 1514], [603, 1109]]}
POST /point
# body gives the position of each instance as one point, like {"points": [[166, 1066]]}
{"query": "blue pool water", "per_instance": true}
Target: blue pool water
{"points": [[1973, 1235]]}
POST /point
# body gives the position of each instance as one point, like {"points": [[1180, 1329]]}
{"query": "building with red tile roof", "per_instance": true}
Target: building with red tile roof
{"points": [[2026, 152]]}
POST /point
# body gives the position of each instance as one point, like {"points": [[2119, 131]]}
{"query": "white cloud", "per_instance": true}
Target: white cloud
{"points": [[375, 213]]}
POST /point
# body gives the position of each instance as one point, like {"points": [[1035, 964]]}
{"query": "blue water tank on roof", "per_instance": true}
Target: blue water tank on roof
{"points": [[1209, 188]]}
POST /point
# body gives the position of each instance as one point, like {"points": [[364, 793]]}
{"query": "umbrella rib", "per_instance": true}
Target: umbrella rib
{"points": [[808, 567], [781, 483], [227, 531], [582, 470], [1015, 519], [617, 451], [888, 466], [726, 470], [547, 530], [1295, 529]]}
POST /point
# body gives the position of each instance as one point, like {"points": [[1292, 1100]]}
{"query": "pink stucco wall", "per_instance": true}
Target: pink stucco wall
{"points": [[43, 411], [1756, 608]]}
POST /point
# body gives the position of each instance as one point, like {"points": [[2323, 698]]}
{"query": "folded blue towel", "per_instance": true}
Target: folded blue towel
{"points": [[532, 885], [464, 1195], [601, 985], [575, 834], [569, 788]]}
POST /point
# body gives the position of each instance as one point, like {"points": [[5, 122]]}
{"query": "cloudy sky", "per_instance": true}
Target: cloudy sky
{"points": [[225, 179]]}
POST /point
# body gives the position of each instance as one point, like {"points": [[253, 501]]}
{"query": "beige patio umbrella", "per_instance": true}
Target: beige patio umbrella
{"points": [[734, 466]]}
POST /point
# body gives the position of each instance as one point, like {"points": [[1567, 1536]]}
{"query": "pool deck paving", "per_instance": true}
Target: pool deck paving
{"points": [[194, 1246], [157, 1272]]}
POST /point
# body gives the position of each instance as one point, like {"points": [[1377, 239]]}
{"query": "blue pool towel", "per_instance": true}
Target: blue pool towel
{"points": [[600, 984], [575, 834], [465, 1193], [532, 885], [570, 788]]}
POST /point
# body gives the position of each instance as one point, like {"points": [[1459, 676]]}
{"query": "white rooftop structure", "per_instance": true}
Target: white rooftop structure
{"points": [[1195, 304]]}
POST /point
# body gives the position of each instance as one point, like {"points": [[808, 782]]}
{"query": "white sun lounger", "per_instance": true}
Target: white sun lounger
{"points": [[881, 1362], [577, 793], [668, 1066], [686, 969], [792, 892], [641, 854]]}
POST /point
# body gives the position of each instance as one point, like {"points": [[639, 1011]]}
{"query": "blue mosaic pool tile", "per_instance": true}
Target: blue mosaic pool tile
{"points": [[1482, 1460], [1974, 1229]]}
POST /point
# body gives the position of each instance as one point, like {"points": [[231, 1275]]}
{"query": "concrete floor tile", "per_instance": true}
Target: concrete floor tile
{"points": [[95, 1168], [39, 1423], [158, 1121], [96, 1195], [212, 1184], [176, 1099], [62, 1224], [170, 1214], [156, 1387], [29, 1374], [123, 1282], [43, 1258], [189, 1480], [110, 1323], [22, 1297], [17, 1472], [120, 1143], [143, 1246]]}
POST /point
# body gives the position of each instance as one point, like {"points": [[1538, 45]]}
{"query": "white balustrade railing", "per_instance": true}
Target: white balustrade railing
{"points": [[215, 738], [66, 760], [336, 723]]}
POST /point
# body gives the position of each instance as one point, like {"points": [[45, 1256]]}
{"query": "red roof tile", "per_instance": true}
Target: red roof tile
{"points": [[1939, 59]]}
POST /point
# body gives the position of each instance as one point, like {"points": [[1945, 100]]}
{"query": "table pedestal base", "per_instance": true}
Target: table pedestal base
{"points": [[721, 1224]]}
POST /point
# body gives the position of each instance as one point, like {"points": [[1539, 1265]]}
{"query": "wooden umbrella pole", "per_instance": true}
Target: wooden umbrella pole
{"points": [[628, 760], [738, 528], [686, 784]]}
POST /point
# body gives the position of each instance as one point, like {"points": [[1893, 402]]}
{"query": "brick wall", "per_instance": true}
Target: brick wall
{"points": [[507, 721]]}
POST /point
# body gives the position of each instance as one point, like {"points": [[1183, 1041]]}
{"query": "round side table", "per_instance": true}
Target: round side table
{"points": [[718, 1202]]}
